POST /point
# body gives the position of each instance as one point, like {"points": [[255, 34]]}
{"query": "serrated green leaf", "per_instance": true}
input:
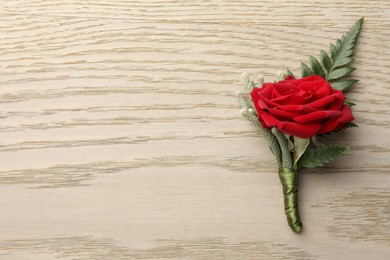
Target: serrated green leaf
{"points": [[316, 67], [339, 73], [343, 62], [305, 70], [347, 53], [349, 103], [326, 61], [344, 84], [350, 125], [338, 42], [318, 156], [336, 65], [342, 52], [289, 73], [333, 51], [284, 74]]}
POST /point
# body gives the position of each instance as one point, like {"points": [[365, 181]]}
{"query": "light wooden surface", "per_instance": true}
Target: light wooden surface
{"points": [[120, 135]]}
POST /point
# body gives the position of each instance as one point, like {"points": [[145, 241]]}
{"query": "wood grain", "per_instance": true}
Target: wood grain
{"points": [[120, 135]]}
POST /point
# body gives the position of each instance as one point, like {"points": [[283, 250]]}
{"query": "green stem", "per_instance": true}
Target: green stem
{"points": [[289, 180]]}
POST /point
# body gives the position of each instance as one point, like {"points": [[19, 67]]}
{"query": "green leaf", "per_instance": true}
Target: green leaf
{"points": [[337, 62], [333, 51], [349, 125], [284, 74], [318, 156], [316, 67], [325, 59], [342, 52], [339, 73], [338, 43], [305, 70], [289, 73], [344, 84], [345, 54], [300, 145], [349, 103], [343, 62]]}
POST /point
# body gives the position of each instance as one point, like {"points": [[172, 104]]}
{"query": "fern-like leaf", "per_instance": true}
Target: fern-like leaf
{"points": [[326, 61], [321, 155], [339, 73], [349, 103], [335, 66], [305, 70], [289, 73], [344, 84], [316, 67]]}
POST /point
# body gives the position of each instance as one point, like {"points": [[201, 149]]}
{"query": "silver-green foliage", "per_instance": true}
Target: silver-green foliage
{"points": [[247, 111]]}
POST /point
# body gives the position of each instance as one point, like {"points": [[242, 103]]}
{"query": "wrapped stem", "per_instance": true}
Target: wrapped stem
{"points": [[289, 180]]}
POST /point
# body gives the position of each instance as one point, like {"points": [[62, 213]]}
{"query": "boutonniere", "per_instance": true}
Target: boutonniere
{"points": [[296, 114]]}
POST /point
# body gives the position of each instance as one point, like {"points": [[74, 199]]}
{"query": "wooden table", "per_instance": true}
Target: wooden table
{"points": [[121, 138]]}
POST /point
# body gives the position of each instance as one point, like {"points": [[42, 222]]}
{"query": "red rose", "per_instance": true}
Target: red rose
{"points": [[301, 107]]}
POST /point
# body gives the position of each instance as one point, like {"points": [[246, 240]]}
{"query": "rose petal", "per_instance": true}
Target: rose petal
{"points": [[283, 113], [324, 90], [292, 107], [321, 103], [328, 126], [255, 98], [309, 109], [309, 86], [266, 90], [299, 130], [262, 105], [261, 121], [316, 116], [268, 119], [275, 93], [289, 77], [308, 78], [337, 123], [268, 102], [284, 88], [338, 101], [347, 115], [290, 99]]}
